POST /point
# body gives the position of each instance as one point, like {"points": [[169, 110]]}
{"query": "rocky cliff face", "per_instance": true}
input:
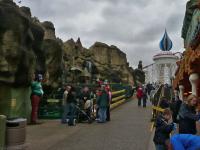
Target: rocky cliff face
{"points": [[28, 46], [111, 63], [17, 59], [99, 61], [53, 53]]}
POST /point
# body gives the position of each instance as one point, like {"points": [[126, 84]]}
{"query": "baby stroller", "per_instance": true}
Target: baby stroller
{"points": [[85, 111]]}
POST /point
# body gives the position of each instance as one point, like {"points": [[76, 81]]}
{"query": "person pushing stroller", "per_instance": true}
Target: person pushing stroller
{"points": [[85, 103]]}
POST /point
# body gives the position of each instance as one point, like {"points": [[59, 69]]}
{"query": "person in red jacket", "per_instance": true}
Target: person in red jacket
{"points": [[139, 95]]}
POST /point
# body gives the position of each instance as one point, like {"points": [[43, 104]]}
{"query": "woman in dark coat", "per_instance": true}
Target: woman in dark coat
{"points": [[187, 116], [71, 102]]}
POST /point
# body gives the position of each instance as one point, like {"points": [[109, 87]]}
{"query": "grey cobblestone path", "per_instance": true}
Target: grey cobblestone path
{"points": [[129, 129]]}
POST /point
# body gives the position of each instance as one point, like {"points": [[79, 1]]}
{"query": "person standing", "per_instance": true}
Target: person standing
{"points": [[109, 103], [163, 130], [65, 104], [187, 116], [71, 102], [144, 97], [139, 95], [103, 102], [175, 107], [36, 95], [164, 103]]}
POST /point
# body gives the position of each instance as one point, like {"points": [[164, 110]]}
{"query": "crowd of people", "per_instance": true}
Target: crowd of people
{"points": [[179, 117], [176, 125], [83, 105], [89, 101], [143, 92]]}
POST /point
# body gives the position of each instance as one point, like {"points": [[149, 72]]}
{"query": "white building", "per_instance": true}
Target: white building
{"points": [[164, 66]]}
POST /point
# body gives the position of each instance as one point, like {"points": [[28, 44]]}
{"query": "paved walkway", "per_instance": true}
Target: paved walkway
{"points": [[129, 129]]}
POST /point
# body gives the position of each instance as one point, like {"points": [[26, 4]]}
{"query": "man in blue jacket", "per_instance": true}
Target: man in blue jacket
{"points": [[185, 142]]}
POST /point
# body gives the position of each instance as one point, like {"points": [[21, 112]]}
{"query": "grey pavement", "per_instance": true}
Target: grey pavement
{"points": [[129, 129]]}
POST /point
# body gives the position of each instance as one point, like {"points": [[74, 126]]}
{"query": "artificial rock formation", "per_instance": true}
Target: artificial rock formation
{"points": [[54, 53], [24, 36], [111, 63], [28, 46], [38, 35], [17, 57], [99, 61]]}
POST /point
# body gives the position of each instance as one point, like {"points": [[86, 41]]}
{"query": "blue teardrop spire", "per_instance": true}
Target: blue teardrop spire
{"points": [[166, 43]]}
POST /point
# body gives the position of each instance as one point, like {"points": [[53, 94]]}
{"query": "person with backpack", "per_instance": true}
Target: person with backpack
{"points": [[139, 95]]}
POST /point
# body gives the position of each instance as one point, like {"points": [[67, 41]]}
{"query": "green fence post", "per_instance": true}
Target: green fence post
{"points": [[2, 131]]}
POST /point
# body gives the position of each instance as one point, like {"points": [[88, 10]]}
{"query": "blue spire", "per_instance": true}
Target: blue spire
{"points": [[166, 43]]}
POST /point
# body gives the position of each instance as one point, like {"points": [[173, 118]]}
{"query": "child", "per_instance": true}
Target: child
{"points": [[163, 130]]}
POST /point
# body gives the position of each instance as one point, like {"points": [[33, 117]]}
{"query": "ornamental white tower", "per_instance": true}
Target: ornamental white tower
{"points": [[165, 61]]}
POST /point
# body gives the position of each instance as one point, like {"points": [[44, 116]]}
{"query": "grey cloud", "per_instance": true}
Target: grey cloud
{"points": [[175, 21], [135, 26], [149, 34], [127, 2], [142, 52]]}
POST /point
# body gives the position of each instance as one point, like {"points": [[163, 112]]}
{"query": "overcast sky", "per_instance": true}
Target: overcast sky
{"points": [[135, 26]]}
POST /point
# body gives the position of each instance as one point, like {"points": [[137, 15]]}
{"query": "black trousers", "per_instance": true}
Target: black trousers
{"points": [[97, 113], [144, 101], [139, 101], [108, 113]]}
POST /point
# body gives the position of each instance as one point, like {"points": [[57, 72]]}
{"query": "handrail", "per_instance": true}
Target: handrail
{"points": [[118, 92], [117, 103], [118, 98]]}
